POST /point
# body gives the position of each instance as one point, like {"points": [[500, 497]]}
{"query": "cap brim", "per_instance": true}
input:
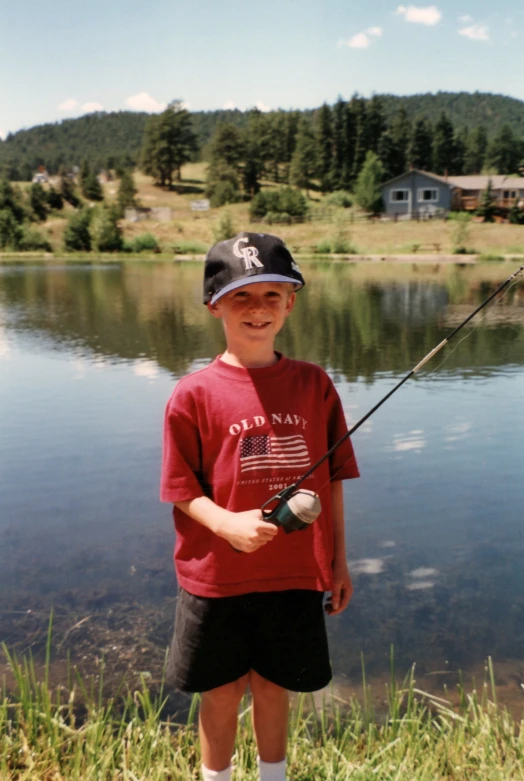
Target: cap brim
{"points": [[255, 278]]}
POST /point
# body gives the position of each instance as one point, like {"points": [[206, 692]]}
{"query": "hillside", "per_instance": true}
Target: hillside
{"points": [[103, 138]]}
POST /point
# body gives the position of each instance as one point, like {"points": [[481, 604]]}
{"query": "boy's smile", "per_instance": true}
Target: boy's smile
{"points": [[252, 316]]}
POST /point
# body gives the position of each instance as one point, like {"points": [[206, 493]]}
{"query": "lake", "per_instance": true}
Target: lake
{"points": [[89, 354]]}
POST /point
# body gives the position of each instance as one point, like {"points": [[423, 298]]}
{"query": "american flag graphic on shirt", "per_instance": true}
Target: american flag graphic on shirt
{"points": [[267, 452]]}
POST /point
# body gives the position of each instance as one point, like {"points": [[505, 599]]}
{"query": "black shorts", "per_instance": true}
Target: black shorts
{"points": [[279, 634]]}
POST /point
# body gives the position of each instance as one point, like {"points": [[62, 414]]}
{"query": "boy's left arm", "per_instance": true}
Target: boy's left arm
{"points": [[342, 585]]}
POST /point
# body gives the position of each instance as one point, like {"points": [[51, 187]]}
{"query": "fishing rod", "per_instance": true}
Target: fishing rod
{"points": [[297, 508]]}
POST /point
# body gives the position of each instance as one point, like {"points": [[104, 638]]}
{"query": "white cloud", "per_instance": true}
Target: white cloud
{"points": [[68, 105], [476, 32], [377, 31], [229, 105], [466, 18], [412, 13], [261, 106], [144, 102], [87, 108], [358, 41], [3, 133]]}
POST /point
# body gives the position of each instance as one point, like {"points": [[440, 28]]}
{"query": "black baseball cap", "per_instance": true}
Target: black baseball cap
{"points": [[246, 258]]}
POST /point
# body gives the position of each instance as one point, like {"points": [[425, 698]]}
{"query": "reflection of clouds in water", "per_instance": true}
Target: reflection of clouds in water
{"points": [[413, 440], [5, 348], [423, 572], [388, 544], [80, 368], [420, 585], [352, 416], [148, 369], [457, 432], [366, 566]]}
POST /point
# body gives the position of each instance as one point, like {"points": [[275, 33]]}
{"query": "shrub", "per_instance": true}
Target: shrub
{"points": [[33, 240], [286, 201], [323, 247], [278, 218], [144, 242], [339, 198], [77, 237], [223, 194], [10, 231], [189, 247], [225, 229]]}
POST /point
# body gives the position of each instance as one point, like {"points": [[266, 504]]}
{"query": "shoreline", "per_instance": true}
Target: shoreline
{"points": [[412, 258]]}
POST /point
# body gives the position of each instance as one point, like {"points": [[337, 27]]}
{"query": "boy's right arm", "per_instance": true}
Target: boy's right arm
{"points": [[246, 531]]}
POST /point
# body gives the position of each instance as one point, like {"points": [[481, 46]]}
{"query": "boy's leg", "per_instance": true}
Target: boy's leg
{"points": [[218, 723], [270, 717]]}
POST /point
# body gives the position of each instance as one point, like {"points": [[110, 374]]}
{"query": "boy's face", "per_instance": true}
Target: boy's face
{"points": [[254, 314]]}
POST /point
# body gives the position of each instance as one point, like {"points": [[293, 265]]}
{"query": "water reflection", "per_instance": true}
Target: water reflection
{"points": [[89, 354]]}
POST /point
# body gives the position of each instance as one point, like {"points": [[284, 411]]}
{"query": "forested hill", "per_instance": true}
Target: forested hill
{"points": [[109, 138], [465, 109]]}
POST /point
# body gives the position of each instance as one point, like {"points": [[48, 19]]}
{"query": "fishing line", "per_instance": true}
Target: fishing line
{"points": [[295, 509]]}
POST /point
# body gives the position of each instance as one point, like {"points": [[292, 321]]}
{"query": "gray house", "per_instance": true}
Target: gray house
{"points": [[417, 194]]}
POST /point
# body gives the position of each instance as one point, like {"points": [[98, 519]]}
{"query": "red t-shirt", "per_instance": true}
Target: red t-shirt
{"points": [[239, 436]]}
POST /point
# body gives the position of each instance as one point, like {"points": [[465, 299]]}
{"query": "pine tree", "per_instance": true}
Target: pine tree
{"points": [[324, 128], [401, 133], [339, 144], [460, 144], [443, 145], [505, 151], [126, 195], [391, 157], [105, 232], [305, 157], [226, 152], [357, 108], [67, 188], [375, 123], [77, 237], [54, 199], [476, 148], [91, 188], [169, 142], [487, 204], [38, 201], [420, 147]]}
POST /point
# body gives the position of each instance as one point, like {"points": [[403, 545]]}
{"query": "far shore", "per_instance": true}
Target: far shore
{"points": [[169, 257]]}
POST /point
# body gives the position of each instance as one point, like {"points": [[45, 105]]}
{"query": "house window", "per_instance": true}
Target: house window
{"points": [[509, 194], [428, 196], [397, 196]]}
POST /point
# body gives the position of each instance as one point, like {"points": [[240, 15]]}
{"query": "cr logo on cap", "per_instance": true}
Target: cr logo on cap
{"points": [[250, 254]]}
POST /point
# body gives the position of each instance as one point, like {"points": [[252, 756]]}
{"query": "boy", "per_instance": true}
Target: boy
{"points": [[250, 609]]}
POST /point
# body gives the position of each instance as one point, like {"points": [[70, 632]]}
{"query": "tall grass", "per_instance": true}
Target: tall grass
{"points": [[76, 733]]}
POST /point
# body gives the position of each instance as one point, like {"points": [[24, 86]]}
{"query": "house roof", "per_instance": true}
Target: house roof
{"points": [[498, 182], [418, 171]]}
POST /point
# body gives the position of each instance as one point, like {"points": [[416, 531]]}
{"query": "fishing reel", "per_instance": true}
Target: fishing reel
{"points": [[295, 509]]}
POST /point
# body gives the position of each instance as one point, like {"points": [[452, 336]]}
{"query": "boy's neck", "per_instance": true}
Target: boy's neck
{"points": [[249, 359]]}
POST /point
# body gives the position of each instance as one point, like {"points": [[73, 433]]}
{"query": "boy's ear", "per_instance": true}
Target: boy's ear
{"points": [[213, 308], [291, 303]]}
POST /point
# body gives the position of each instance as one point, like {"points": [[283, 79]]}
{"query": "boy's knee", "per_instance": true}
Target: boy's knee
{"points": [[263, 688], [226, 696]]}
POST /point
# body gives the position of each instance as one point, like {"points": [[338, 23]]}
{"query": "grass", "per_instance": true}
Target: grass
{"points": [[199, 229], [77, 732]]}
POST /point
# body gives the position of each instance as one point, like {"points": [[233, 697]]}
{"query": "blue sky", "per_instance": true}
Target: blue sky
{"points": [[63, 58]]}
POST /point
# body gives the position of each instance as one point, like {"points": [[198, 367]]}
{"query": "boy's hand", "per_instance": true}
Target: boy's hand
{"points": [[247, 531], [342, 589]]}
